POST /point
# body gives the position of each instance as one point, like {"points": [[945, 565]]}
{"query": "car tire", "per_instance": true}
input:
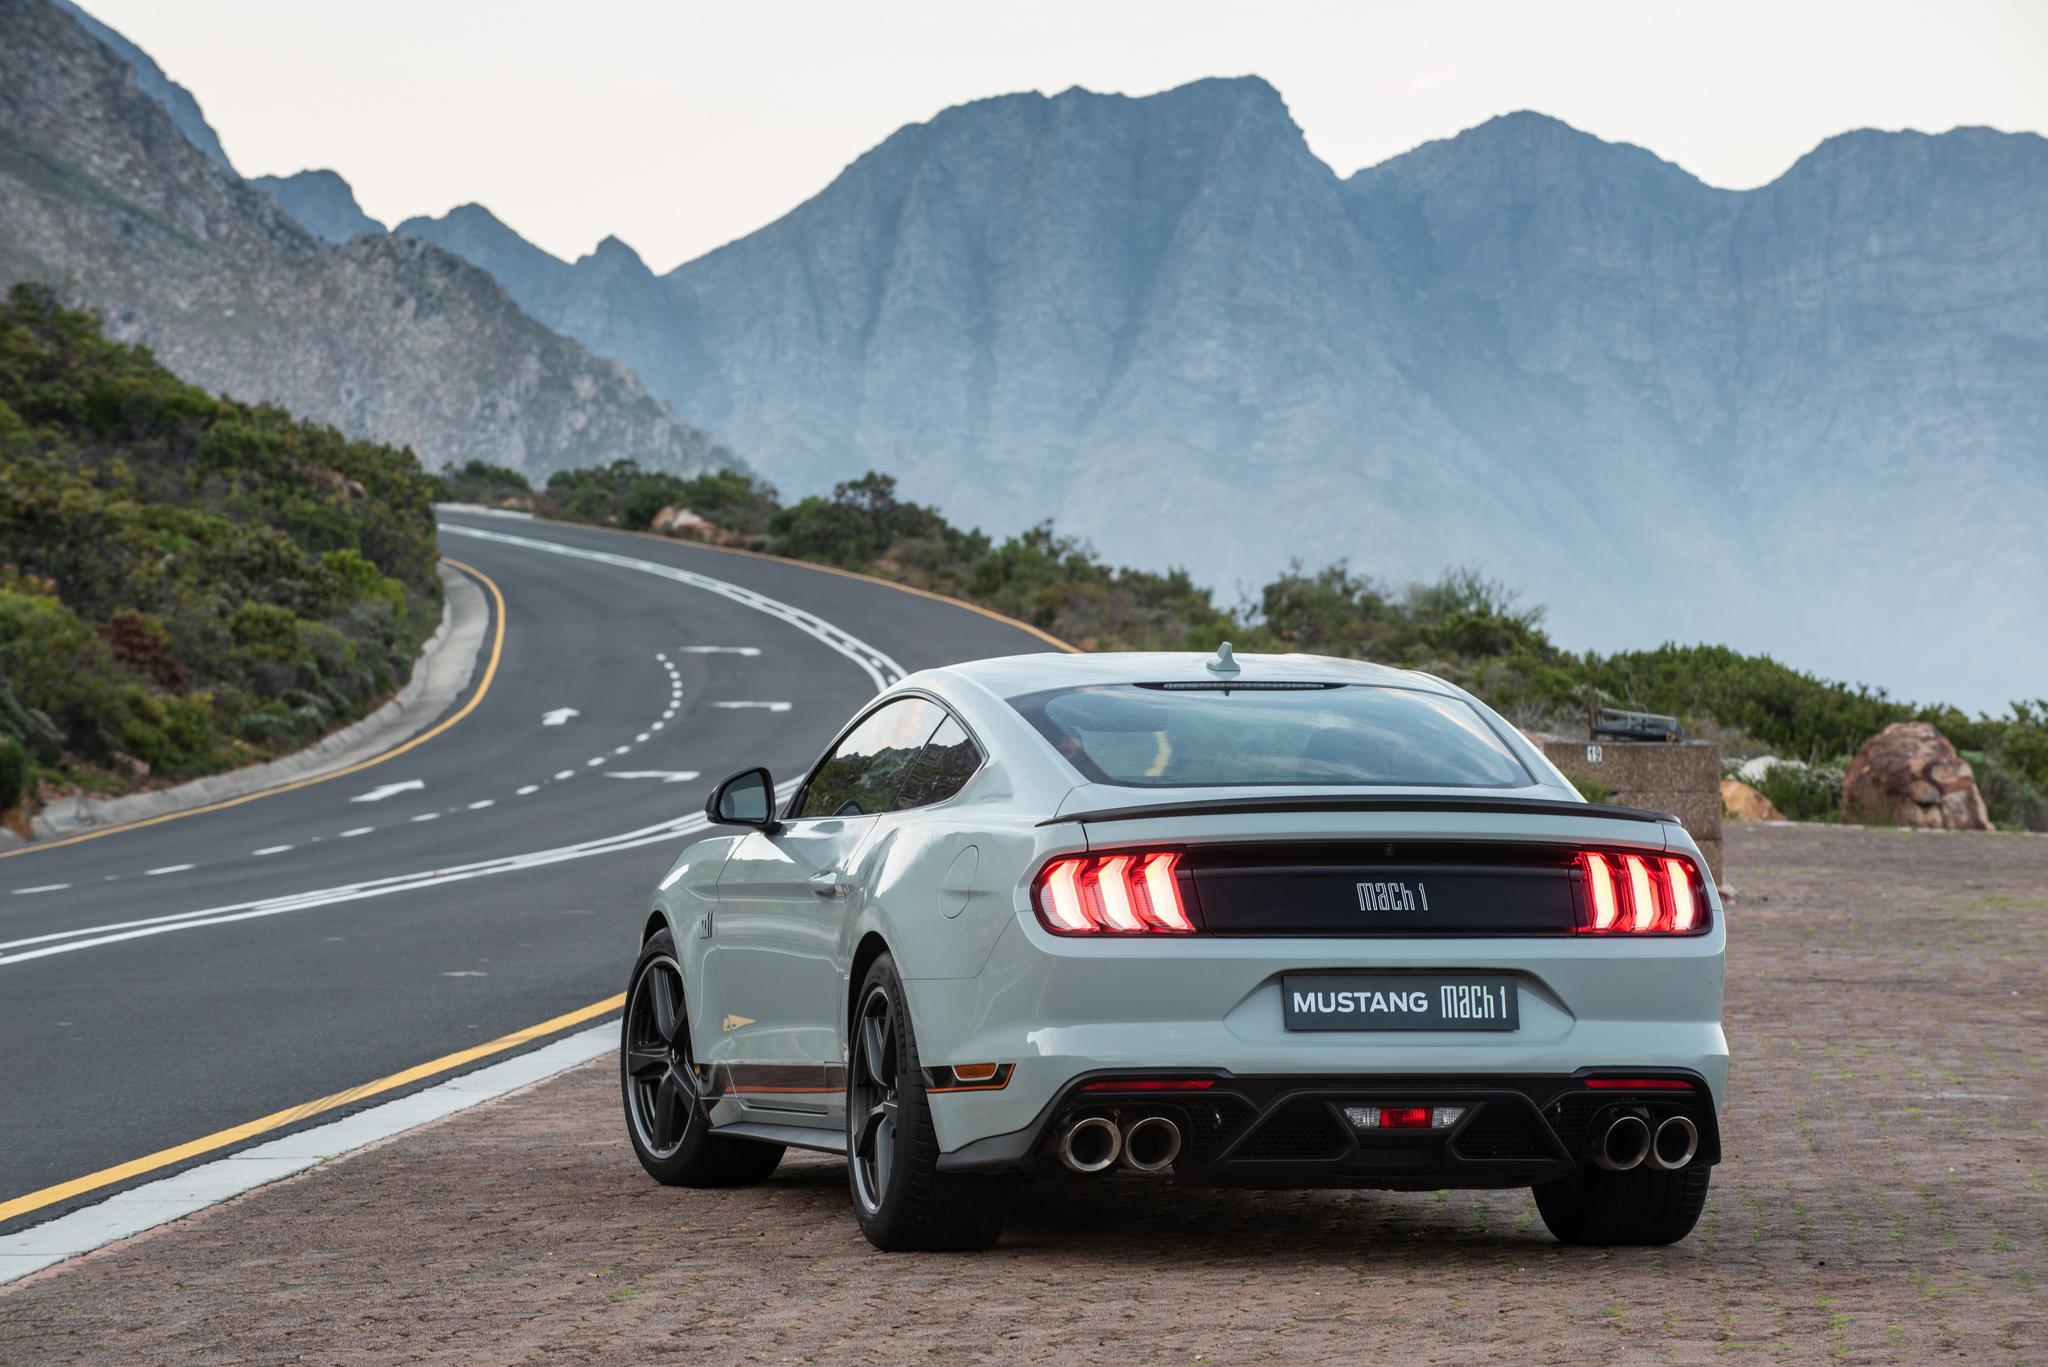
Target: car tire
{"points": [[902, 1200], [663, 1095], [1595, 1208]]}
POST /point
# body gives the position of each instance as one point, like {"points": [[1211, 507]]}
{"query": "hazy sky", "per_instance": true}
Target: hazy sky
{"points": [[679, 126]]}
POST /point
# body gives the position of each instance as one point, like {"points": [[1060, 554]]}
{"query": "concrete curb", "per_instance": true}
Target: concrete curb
{"points": [[442, 675]]}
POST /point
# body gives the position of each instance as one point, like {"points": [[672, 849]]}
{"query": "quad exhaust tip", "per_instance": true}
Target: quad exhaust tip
{"points": [[1151, 1144], [1092, 1144], [1625, 1144], [1676, 1141]]}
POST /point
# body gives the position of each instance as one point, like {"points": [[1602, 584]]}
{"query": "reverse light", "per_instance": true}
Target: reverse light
{"points": [[1637, 894], [1116, 894]]}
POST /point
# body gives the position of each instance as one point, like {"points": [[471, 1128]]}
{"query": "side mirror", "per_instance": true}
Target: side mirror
{"points": [[745, 799]]}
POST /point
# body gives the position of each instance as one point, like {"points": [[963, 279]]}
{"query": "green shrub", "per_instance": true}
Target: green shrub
{"points": [[1804, 793], [14, 773], [177, 561]]}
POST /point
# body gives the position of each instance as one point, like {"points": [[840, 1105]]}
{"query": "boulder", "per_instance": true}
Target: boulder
{"points": [[1744, 803], [1908, 773], [674, 521]]}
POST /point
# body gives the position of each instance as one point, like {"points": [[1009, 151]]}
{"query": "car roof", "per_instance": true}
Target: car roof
{"points": [[1010, 676]]}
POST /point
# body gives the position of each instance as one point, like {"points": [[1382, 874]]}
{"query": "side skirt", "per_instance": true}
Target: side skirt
{"points": [[795, 1136]]}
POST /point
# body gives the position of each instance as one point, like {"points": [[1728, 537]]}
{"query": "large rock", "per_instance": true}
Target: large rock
{"points": [[1908, 773], [1744, 803]]}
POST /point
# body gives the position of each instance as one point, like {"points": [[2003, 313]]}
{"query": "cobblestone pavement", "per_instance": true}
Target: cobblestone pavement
{"points": [[1884, 1199]]}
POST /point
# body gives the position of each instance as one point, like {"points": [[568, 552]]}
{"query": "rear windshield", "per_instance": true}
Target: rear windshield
{"points": [[1149, 735]]}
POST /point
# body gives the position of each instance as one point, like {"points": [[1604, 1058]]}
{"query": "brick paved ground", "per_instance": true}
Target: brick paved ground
{"points": [[1886, 1198]]}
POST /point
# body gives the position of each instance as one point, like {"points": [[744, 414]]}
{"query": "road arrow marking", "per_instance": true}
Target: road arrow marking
{"points": [[665, 775], [390, 790], [721, 650], [559, 716], [770, 706]]}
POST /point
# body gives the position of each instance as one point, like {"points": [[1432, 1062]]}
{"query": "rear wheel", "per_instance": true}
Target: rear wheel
{"points": [[663, 1094], [900, 1197], [1595, 1207]]}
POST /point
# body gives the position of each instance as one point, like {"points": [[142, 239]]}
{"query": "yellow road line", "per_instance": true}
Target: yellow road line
{"points": [[121, 1172], [490, 672], [1003, 617]]}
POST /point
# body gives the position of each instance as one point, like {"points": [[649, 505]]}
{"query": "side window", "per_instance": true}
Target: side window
{"points": [[949, 760], [861, 775]]}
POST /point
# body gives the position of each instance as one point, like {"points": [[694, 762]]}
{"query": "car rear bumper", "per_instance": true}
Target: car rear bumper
{"points": [[1284, 1131], [1061, 1011]]}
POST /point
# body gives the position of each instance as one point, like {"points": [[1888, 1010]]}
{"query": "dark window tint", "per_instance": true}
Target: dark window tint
{"points": [[1348, 734], [948, 761], [864, 771]]}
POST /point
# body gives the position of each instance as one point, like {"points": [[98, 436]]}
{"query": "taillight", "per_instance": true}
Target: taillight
{"points": [[1640, 894], [1113, 894]]}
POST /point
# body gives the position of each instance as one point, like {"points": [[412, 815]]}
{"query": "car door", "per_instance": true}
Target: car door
{"points": [[784, 903]]}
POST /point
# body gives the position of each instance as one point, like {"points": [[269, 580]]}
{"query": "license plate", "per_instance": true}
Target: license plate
{"points": [[1399, 1001]]}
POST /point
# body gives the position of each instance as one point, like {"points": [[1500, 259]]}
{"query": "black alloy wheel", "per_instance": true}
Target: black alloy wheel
{"points": [[667, 1118], [662, 1090], [871, 1099]]}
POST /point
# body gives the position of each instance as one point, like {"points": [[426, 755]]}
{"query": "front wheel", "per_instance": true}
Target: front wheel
{"points": [[1597, 1208], [900, 1197], [662, 1089]]}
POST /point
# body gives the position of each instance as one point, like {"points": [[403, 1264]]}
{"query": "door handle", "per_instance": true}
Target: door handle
{"points": [[831, 883]]}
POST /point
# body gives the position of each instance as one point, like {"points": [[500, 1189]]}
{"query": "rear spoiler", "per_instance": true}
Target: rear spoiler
{"points": [[1226, 806]]}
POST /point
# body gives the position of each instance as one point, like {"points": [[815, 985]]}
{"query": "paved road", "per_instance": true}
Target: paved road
{"points": [[164, 983]]}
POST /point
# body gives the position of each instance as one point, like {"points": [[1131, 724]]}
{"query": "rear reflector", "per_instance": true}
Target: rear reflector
{"points": [[1114, 894], [1151, 1084], [1636, 894], [1640, 1084]]}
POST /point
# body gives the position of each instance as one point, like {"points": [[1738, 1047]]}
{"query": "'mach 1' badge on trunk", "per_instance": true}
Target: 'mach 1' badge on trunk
{"points": [[1391, 896]]}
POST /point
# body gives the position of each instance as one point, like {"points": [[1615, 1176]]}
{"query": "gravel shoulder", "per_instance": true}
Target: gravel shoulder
{"points": [[1885, 1199]]}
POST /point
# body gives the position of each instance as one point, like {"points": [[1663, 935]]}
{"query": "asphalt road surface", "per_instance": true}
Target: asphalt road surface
{"points": [[164, 983]]}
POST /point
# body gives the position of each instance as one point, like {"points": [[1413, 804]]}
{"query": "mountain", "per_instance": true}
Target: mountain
{"points": [[174, 99], [1809, 418], [322, 202], [387, 338]]}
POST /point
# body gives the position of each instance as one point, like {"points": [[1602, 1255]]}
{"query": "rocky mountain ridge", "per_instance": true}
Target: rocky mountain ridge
{"points": [[389, 338]]}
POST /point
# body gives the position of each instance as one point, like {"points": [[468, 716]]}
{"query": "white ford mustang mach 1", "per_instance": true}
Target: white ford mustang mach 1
{"points": [[1270, 921]]}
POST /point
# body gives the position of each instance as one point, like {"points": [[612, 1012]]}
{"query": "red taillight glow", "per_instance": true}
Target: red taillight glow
{"points": [[1116, 894], [1639, 1084], [1633, 894], [1404, 1117]]}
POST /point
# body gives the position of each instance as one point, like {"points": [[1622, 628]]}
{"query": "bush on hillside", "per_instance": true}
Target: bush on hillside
{"points": [[179, 565]]}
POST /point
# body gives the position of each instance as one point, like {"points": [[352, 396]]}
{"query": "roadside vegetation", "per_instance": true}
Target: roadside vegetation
{"points": [[1463, 626], [187, 583]]}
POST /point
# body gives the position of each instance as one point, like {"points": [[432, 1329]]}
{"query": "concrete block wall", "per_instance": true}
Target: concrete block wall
{"points": [[1683, 779]]}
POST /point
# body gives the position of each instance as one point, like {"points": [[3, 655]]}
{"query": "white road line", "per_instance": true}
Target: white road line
{"points": [[559, 716], [428, 816], [657, 726], [360, 830], [668, 714], [721, 650], [640, 739], [766, 706], [565, 773], [180, 1194], [876, 664], [528, 791], [270, 849], [45, 887], [168, 868], [593, 761], [378, 794], [665, 775], [41, 946], [620, 749], [483, 803]]}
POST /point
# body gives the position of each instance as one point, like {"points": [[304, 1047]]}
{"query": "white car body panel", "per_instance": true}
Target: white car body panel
{"points": [[769, 962]]}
